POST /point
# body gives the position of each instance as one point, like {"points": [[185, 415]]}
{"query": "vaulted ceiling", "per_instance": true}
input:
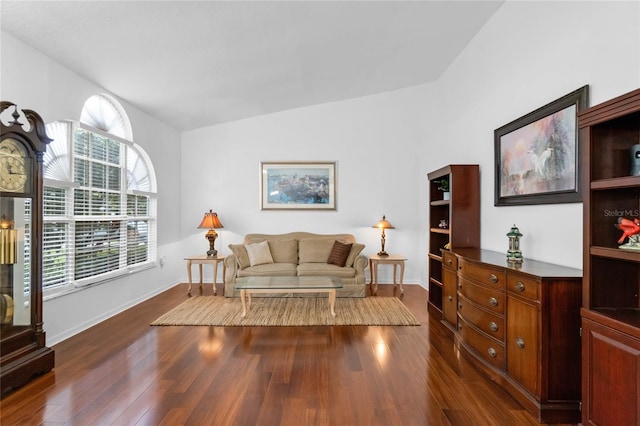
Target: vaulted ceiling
{"points": [[199, 63]]}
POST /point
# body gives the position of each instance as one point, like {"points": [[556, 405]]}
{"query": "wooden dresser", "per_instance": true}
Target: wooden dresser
{"points": [[520, 325]]}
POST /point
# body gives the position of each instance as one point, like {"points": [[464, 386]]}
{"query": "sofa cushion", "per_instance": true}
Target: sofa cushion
{"points": [[240, 252], [314, 250], [284, 251], [356, 248], [269, 269], [339, 253], [325, 269], [259, 253]]}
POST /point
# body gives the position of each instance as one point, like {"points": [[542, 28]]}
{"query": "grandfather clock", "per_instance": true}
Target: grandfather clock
{"points": [[23, 353]]}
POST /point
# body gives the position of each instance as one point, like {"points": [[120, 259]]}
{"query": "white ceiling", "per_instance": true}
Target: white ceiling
{"points": [[198, 63]]}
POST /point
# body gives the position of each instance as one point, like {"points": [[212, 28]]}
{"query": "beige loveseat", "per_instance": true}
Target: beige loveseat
{"points": [[298, 253]]}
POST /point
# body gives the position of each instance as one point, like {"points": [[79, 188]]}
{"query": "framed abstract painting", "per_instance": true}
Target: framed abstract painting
{"points": [[536, 156]]}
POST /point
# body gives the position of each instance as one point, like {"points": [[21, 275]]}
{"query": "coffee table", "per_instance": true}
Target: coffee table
{"points": [[251, 285]]}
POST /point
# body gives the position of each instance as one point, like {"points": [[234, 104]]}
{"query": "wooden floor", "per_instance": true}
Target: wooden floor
{"points": [[125, 372]]}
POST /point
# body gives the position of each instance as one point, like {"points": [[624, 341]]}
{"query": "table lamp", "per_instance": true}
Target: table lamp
{"points": [[211, 222], [383, 224]]}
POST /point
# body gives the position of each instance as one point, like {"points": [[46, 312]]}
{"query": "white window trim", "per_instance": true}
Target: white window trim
{"points": [[71, 219]]}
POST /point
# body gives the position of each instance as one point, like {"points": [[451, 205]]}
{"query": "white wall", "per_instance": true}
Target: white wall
{"points": [[529, 54], [374, 141], [33, 81]]}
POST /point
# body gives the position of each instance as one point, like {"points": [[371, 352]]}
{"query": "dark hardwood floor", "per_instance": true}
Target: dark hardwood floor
{"points": [[126, 372]]}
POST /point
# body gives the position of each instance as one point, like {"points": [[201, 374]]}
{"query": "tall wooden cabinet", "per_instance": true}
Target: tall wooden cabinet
{"points": [[611, 287], [23, 353], [453, 222]]}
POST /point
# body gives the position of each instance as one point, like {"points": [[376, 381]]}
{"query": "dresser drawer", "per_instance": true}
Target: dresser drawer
{"points": [[449, 260], [492, 351], [488, 322], [486, 275], [492, 300], [523, 285]]}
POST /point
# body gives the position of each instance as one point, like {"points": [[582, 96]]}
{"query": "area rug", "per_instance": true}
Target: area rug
{"points": [[290, 311]]}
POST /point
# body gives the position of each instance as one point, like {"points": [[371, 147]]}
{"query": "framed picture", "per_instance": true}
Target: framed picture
{"points": [[536, 156], [298, 186]]}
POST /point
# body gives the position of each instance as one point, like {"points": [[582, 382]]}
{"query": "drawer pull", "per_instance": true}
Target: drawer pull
{"points": [[493, 326], [459, 306], [492, 352], [493, 302], [460, 286], [520, 342], [493, 278], [450, 299], [449, 262], [459, 326], [520, 286]]}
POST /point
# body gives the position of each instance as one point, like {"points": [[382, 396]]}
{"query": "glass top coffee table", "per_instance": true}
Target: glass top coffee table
{"points": [[250, 285]]}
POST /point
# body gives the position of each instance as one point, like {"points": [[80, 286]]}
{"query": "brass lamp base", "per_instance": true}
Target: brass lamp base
{"points": [[383, 239], [211, 236]]}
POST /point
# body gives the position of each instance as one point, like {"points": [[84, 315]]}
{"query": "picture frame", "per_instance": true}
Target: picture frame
{"points": [[537, 155], [298, 185]]}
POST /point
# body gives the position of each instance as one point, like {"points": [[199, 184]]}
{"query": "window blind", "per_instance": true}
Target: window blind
{"points": [[99, 206]]}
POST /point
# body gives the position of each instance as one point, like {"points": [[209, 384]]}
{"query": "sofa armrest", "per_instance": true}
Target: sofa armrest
{"points": [[231, 265], [360, 264]]}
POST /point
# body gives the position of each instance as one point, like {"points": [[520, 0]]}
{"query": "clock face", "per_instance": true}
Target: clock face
{"points": [[14, 166]]}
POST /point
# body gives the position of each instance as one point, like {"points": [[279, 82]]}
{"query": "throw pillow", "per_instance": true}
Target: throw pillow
{"points": [[259, 253], [240, 252], [355, 251], [339, 254]]}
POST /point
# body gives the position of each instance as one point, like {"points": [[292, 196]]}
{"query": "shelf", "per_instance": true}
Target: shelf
{"points": [[435, 257], [440, 230], [610, 304], [436, 282], [615, 253], [616, 183], [461, 212], [434, 310], [626, 320]]}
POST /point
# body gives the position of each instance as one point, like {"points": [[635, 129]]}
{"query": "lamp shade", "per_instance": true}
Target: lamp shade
{"points": [[210, 221], [384, 224]]}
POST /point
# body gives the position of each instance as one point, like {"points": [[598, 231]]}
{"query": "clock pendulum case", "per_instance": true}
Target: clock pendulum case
{"points": [[23, 142]]}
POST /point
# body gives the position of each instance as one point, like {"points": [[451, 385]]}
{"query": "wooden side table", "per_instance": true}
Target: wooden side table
{"points": [[201, 260], [392, 259]]}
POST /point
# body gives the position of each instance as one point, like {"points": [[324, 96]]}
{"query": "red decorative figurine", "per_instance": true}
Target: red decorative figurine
{"points": [[628, 227]]}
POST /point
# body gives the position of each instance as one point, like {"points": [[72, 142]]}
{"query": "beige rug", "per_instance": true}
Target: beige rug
{"points": [[291, 311]]}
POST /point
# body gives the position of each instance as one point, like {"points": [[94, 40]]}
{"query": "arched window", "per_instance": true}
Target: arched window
{"points": [[99, 199]]}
